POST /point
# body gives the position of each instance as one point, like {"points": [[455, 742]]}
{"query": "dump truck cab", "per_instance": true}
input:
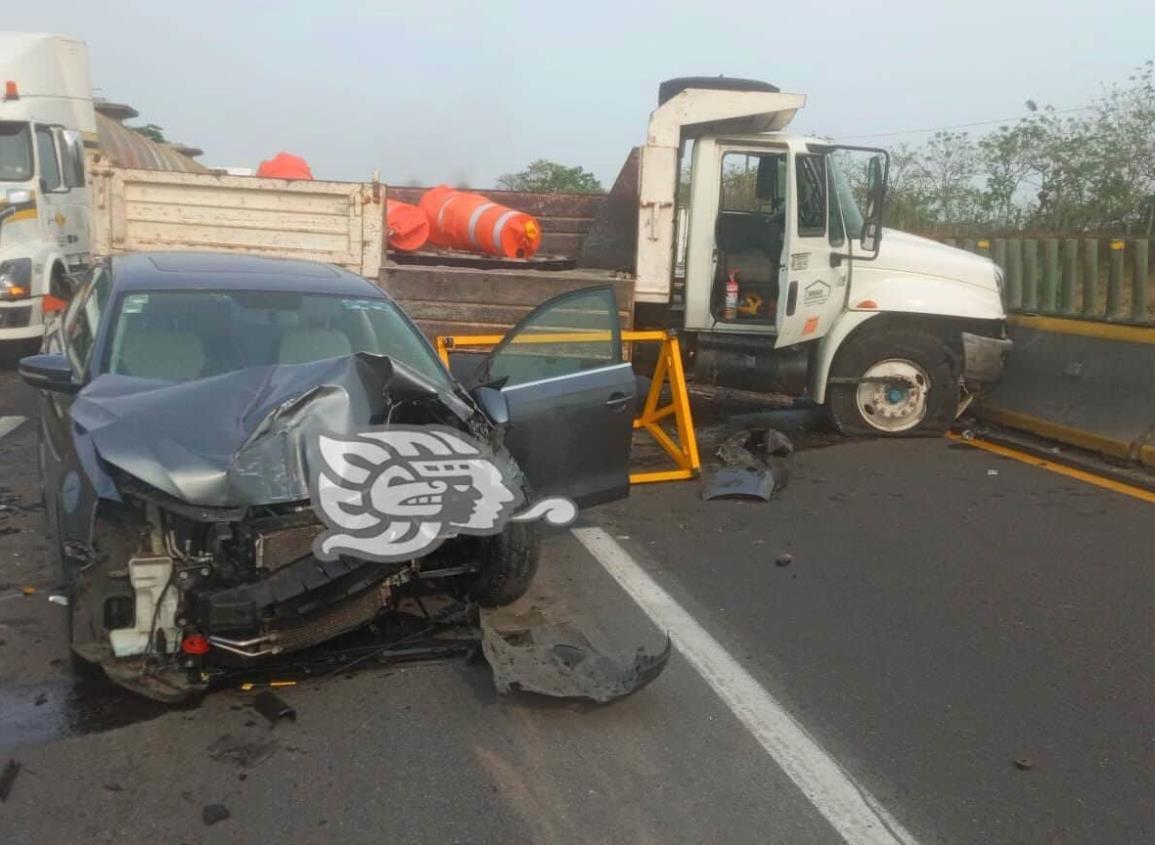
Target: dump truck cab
{"points": [[45, 116], [769, 251]]}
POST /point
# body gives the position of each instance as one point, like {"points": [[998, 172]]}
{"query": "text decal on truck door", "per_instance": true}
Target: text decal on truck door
{"points": [[397, 493]]}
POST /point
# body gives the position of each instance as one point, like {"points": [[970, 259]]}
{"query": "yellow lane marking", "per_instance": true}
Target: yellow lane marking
{"points": [[1085, 328], [1060, 469]]}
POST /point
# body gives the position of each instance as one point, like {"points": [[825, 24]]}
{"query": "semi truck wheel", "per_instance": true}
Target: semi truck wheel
{"points": [[922, 398]]}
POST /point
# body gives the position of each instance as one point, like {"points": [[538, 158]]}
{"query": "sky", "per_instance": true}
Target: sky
{"points": [[461, 92]]}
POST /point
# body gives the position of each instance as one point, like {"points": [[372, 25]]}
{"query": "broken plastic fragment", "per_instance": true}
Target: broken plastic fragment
{"points": [[532, 654]]}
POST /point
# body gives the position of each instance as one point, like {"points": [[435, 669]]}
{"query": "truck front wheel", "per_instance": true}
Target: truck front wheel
{"points": [[894, 383]]}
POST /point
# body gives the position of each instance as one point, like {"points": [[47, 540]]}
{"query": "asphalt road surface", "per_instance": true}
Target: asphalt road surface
{"points": [[958, 650]]}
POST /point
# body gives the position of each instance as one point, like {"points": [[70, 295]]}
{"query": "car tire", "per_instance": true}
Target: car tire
{"points": [[81, 666], [507, 564], [888, 411]]}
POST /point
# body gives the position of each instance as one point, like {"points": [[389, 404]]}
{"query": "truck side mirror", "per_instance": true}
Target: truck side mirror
{"points": [[875, 197]]}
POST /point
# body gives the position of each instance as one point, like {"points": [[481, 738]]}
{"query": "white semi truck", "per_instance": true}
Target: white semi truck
{"points": [[46, 116]]}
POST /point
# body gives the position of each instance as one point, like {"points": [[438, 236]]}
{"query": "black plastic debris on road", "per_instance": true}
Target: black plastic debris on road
{"points": [[756, 464], [529, 653], [273, 707], [7, 778], [213, 813]]}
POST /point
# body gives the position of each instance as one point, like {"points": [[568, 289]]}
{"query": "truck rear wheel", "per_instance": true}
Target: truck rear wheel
{"points": [[921, 399]]}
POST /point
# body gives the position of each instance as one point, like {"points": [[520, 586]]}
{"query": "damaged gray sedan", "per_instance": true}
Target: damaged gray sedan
{"points": [[179, 393]]}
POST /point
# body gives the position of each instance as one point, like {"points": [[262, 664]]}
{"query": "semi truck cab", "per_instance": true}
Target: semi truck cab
{"points": [[791, 284], [46, 116]]}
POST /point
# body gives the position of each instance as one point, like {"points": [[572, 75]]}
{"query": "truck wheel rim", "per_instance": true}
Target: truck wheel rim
{"points": [[897, 406]]}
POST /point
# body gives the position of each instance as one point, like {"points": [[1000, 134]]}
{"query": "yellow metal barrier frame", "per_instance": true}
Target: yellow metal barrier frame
{"points": [[684, 450]]}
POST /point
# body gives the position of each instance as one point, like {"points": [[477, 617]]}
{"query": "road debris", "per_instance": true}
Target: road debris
{"points": [[1024, 763], [273, 707], [784, 559], [757, 464], [57, 598], [992, 472], [529, 653], [28, 591], [247, 755], [213, 813], [8, 777]]}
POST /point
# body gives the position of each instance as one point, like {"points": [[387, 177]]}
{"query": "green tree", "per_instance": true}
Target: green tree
{"points": [[151, 131], [543, 176]]}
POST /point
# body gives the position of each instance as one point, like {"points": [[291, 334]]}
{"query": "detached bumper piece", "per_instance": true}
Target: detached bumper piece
{"points": [[531, 654]]}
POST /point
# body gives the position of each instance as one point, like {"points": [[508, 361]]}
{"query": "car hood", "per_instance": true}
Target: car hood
{"points": [[240, 438], [907, 253]]}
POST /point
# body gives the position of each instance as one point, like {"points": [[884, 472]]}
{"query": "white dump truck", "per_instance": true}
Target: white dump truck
{"points": [[777, 272], [46, 116]]}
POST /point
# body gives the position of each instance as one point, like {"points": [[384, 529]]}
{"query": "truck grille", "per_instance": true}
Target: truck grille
{"points": [[15, 318]]}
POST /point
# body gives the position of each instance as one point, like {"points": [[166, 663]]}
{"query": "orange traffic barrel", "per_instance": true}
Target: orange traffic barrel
{"points": [[468, 221], [285, 166], [406, 226]]}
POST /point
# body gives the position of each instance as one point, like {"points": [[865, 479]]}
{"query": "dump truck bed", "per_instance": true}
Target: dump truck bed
{"points": [[470, 301]]}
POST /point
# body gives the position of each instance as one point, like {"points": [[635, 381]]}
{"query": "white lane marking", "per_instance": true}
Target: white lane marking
{"points": [[856, 814], [9, 424]]}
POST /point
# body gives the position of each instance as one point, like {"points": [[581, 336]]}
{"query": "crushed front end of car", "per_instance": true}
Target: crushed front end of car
{"points": [[198, 556]]}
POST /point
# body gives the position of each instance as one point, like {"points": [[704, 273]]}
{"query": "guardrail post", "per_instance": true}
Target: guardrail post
{"points": [[1030, 274], [1050, 275], [1014, 273], [1070, 275], [1115, 281], [1139, 290], [1090, 276]]}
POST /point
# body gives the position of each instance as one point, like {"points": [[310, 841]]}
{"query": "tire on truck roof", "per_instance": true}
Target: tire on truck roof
{"points": [[672, 87]]}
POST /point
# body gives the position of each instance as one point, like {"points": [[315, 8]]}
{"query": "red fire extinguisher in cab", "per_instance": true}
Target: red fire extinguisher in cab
{"points": [[730, 308]]}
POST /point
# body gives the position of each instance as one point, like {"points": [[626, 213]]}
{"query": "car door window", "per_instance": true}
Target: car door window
{"points": [[46, 152], [81, 325], [576, 332]]}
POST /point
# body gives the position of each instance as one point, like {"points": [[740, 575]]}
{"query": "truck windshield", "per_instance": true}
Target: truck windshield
{"points": [[185, 335], [15, 152], [844, 200]]}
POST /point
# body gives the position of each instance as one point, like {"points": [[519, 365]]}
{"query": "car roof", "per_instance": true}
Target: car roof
{"points": [[153, 271]]}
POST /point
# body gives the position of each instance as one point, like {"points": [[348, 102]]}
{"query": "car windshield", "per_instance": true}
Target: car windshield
{"points": [[184, 335], [15, 152]]}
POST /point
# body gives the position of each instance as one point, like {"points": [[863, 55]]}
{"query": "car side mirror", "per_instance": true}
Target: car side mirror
{"points": [[493, 402], [52, 372]]}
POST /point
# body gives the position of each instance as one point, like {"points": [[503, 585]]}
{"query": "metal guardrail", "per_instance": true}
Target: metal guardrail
{"points": [[1061, 276]]}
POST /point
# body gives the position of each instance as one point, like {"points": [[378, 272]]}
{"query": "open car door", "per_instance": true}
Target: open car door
{"points": [[570, 397]]}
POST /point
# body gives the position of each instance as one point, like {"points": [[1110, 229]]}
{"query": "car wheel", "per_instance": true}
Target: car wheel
{"points": [[921, 401], [507, 563], [81, 666]]}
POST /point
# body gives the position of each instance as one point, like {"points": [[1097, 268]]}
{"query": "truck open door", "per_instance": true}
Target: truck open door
{"points": [[828, 231], [567, 397]]}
